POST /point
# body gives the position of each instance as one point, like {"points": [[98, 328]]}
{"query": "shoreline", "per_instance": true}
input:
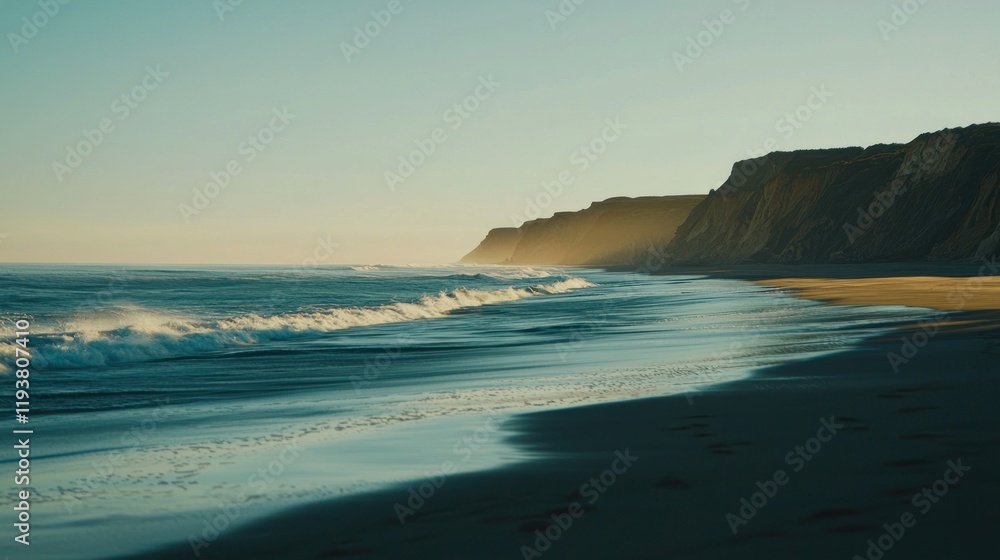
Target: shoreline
{"points": [[697, 460], [935, 292]]}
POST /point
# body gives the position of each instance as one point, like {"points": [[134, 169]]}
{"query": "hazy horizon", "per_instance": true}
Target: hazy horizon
{"points": [[333, 112]]}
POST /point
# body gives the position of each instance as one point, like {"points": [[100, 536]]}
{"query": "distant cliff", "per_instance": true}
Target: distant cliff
{"points": [[613, 232], [934, 198], [937, 197]]}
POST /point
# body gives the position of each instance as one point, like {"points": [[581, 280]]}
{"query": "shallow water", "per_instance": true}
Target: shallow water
{"points": [[165, 397]]}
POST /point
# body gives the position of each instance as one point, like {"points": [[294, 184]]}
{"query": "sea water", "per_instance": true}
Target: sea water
{"points": [[172, 403]]}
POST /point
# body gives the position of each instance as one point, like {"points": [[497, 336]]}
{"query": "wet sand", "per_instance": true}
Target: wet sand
{"points": [[896, 436]]}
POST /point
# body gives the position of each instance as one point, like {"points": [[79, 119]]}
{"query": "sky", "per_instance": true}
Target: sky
{"points": [[272, 132]]}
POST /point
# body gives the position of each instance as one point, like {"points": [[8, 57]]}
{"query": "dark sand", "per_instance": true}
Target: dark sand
{"points": [[698, 459]]}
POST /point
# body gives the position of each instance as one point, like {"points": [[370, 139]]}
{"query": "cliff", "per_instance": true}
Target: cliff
{"points": [[934, 198], [613, 232]]}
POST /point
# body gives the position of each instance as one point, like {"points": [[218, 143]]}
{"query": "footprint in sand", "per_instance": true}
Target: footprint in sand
{"points": [[915, 409], [672, 483], [851, 529], [345, 553], [905, 463], [831, 513]]}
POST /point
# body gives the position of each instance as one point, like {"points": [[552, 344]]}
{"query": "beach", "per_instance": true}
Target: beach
{"points": [[976, 293], [838, 456], [280, 389], [501, 280]]}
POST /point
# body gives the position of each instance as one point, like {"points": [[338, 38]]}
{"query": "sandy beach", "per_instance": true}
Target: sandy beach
{"points": [[834, 457], [974, 293]]}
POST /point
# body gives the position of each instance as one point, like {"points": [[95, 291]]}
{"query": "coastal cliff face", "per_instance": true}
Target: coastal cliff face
{"points": [[934, 198], [937, 197], [617, 231]]}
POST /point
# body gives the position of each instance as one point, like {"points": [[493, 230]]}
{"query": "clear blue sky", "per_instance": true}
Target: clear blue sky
{"points": [[323, 174]]}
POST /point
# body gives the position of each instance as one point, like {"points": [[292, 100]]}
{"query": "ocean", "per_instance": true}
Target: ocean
{"points": [[173, 403]]}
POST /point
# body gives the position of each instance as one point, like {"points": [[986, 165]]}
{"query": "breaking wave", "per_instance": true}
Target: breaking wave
{"points": [[143, 335], [477, 271]]}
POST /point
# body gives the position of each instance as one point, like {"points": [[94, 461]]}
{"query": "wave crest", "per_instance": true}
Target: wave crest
{"points": [[143, 340]]}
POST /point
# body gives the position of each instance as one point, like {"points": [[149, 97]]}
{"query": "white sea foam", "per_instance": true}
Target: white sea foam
{"points": [[507, 273], [140, 335], [498, 272]]}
